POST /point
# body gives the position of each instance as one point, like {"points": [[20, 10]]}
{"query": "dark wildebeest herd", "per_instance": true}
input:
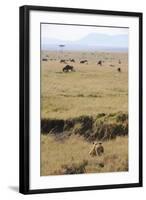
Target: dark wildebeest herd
{"points": [[69, 68], [84, 61]]}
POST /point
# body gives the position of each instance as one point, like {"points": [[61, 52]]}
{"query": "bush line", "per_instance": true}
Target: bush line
{"points": [[101, 127]]}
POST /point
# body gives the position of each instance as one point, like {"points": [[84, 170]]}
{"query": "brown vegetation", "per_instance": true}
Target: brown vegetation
{"points": [[70, 155]]}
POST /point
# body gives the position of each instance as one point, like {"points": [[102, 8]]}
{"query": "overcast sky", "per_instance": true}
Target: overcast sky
{"points": [[73, 33]]}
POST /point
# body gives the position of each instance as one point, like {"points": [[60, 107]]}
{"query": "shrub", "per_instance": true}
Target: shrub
{"points": [[49, 125], [74, 168], [101, 115], [78, 168], [122, 117], [83, 125]]}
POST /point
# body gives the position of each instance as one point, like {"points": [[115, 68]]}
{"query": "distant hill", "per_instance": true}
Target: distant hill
{"points": [[92, 42]]}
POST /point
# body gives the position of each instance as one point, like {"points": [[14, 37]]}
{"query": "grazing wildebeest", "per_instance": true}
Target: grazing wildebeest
{"points": [[62, 61], [119, 61], [72, 60], [99, 62], [84, 61], [44, 59], [119, 69], [68, 68]]}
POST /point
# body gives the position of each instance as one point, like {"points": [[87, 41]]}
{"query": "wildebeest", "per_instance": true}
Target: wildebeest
{"points": [[84, 61], [62, 61], [100, 62], [119, 69], [119, 61], [72, 60], [112, 65], [68, 68], [44, 59]]}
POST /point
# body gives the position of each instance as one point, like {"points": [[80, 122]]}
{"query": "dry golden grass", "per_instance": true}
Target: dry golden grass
{"points": [[57, 152], [90, 90]]}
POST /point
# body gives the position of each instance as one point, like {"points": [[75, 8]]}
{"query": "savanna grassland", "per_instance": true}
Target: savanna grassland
{"points": [[74, 151], [82, 106]]}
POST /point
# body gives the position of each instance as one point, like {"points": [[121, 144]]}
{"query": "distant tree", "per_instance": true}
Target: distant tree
{"points": [[61, 47]]}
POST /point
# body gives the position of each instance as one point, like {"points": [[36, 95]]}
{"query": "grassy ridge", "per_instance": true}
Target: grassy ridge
{"points": [[103, 126]]}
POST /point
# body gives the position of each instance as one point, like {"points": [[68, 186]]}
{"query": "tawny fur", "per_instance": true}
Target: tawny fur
{"points": [[93, 150], [97, 149]]}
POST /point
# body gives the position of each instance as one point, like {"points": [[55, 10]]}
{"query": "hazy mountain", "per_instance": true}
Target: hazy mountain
{"points": [[105, 40], [92, 41]]}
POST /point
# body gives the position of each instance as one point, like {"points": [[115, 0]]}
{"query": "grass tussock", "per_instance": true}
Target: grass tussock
{"points": [[73, 168]]}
